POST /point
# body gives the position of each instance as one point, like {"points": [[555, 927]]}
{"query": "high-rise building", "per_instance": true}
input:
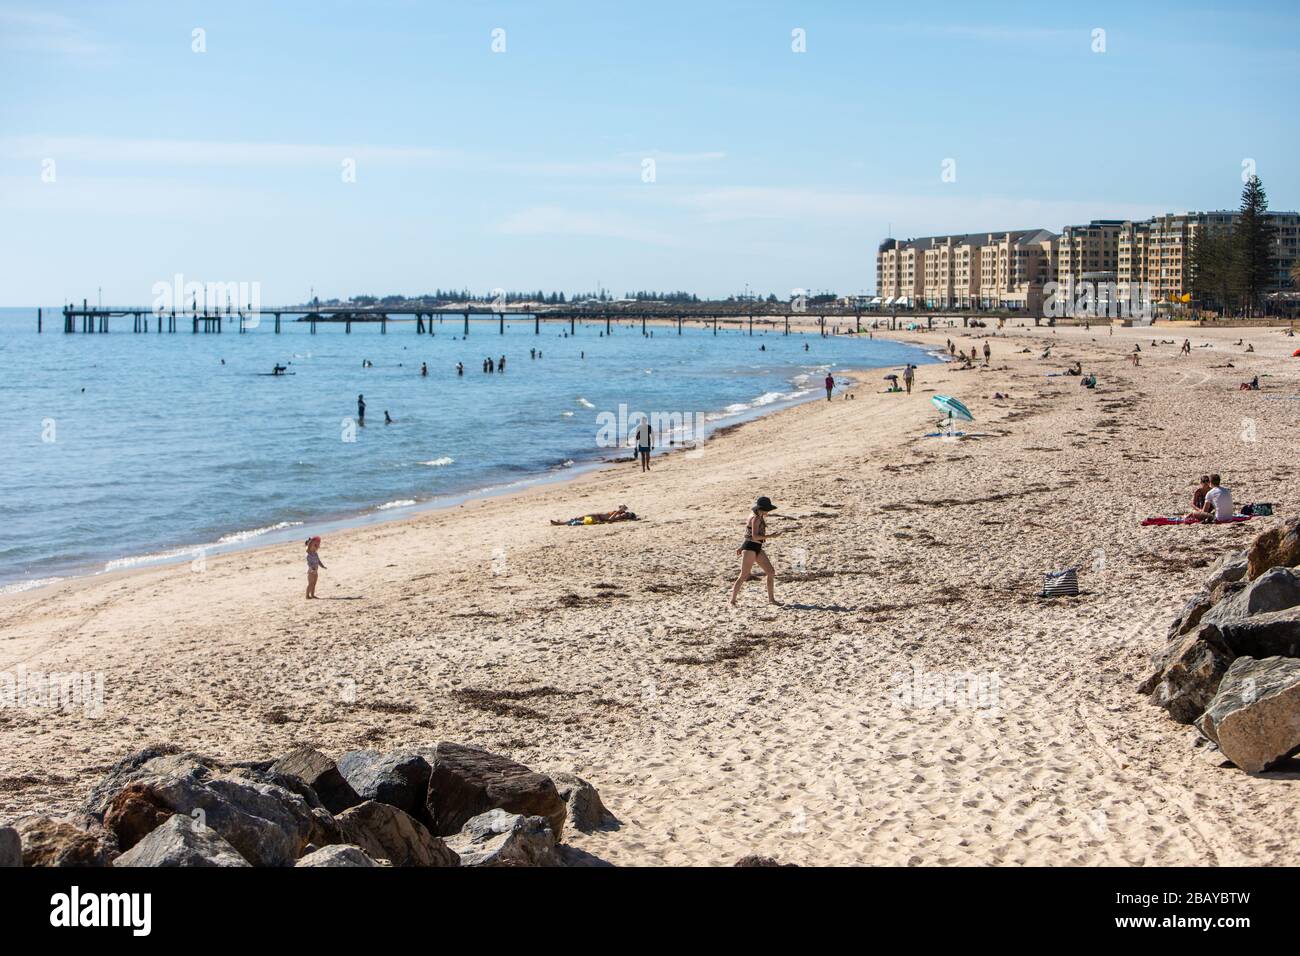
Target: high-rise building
{"points": [[1147, 260], [1005, 270], [1089, 253], [1158, 251]]}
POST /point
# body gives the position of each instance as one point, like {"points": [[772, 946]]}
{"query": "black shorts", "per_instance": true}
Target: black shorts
{"points": [[755, 546]]}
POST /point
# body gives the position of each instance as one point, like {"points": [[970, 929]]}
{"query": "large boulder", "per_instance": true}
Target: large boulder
{"points": [[51, 842], [1187, 673], [584, 809], [338, 855], [1255, 717], [1274, 590], [498, 838], [1272, 634], [1277, 547], [11, 848], [467, 781], [324, 829], [399, 779], [1229, 569], [156, 760], [322, 775], [181, 841], [268, 825], [385, 832], [1190, 615]]}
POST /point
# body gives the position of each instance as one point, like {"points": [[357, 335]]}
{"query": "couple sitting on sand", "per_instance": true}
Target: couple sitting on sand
{"points": [[1211, 501], [618, 514]]}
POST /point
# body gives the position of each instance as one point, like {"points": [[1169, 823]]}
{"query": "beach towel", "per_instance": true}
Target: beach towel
{"points": [[1061, 583]]}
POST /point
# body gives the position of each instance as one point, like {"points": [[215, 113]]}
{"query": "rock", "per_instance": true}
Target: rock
{"points": [[156, 760], [1272, 634], [1277, 547], [1187, 673], [1229, 569], [1255, 717], [467, 781], [1274, 590], [385, 832], [1191, 614], [134, 813], [181, 841], [399, 779], [266, 824], [755, 860], [341, 854], [50, 842], [11, 848], [321, 774], [585, 811], [498, 838]]}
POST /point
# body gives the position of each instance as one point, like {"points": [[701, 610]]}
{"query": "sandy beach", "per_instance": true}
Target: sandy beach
{"points": [[796, 731]]}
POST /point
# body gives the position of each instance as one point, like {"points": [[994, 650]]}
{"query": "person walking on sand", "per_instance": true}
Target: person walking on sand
{"points": [[907, 376], [645, 437], [751, 550], [988, 352], [314, 564], [830, 385], [1187, 347]]}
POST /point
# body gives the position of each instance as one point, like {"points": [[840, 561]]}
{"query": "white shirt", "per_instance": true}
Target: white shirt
{"points": [[1220, 499], [643, 434]]}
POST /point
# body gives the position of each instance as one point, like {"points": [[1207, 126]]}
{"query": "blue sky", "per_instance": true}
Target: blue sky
{"points": [[523, 169]]}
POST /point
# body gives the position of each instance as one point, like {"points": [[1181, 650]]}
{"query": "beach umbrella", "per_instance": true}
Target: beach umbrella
{"points": [[952, 408]]}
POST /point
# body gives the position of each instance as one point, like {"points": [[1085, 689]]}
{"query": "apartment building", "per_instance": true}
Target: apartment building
{"points": [[1148, 260], [1158, 250], [1089, 253], [975, 270]]}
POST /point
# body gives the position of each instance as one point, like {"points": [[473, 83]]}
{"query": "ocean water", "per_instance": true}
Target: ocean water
{"points": [[126, 448]]}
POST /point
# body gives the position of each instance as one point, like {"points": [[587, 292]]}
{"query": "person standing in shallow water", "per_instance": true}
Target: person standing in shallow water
{"points": [[361, 409], [751, 550]]}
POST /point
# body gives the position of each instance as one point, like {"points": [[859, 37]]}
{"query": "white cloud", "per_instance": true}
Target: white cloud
{"points": [[208, 152], [628, 164], [917, 214]]}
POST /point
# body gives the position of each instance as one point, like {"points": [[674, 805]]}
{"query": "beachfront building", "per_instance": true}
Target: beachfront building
{"points": [[899, 273], [1158, 250], [1089, 253], [990, 270], [1008, 270]]}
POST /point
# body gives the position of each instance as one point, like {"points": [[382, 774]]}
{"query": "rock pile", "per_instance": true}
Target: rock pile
{"points": [[445, 805], [1232, 662]]}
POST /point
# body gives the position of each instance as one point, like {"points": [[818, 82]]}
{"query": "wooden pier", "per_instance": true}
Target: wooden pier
{"points": [[96, 320]]}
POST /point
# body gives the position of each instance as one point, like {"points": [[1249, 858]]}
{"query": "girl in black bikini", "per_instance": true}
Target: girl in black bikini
{"points": [[751, 550]]}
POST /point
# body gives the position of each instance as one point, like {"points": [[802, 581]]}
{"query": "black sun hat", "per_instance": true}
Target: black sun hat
{"points": [[764, 504]]}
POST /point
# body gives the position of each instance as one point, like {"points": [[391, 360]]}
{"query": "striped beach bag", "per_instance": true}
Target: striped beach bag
{"points": [[1061, 583]]}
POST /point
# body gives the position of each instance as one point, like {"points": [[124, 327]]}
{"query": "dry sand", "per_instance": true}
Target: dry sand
{"points": [[715, 732]]}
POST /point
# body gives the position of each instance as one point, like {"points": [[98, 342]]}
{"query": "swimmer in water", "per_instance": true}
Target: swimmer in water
{"points": [[388, 419]]}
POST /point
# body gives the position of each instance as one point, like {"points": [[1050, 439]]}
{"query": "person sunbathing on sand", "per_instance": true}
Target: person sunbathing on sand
{"points": [[618, 514], [751, 550]]}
